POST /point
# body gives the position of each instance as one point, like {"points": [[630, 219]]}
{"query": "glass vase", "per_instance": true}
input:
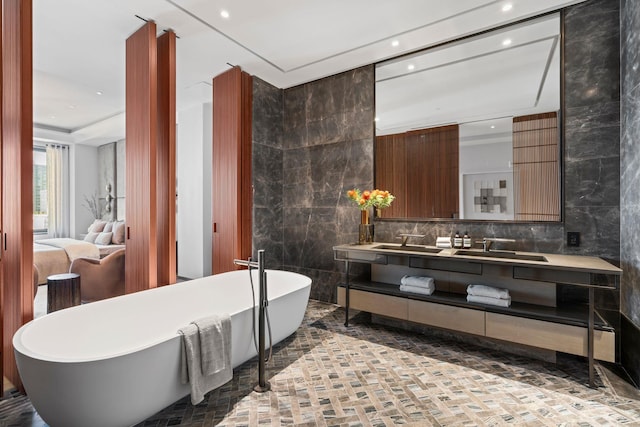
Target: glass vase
{"points": [[365, 229]]}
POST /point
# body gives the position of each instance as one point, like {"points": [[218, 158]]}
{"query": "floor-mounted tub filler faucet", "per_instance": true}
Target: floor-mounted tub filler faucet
{"points": [[263, 318], [487, 241], [405, 237]]}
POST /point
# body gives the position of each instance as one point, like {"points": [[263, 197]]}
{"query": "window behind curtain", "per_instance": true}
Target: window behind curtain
{"points": [[40, 214]]}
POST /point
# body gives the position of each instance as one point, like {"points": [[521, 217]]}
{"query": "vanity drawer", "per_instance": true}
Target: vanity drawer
{"points": [[447, 316], [552, 336], [384, 305]]}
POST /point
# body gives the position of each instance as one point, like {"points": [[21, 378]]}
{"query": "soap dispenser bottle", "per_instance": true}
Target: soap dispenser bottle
{"points": [[457, 241], [466, 241]]}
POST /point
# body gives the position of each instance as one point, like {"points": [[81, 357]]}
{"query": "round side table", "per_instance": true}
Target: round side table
{"points": [[63, 290]]}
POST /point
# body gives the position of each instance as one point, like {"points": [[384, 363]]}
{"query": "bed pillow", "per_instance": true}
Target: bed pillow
{"points": [[104, 238], [97, 226], [108, 227], [118, 233], [91, 237]]}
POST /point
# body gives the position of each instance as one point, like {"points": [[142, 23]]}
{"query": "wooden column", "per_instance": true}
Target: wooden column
{"points": [[141, 269], [17, 171], [166, 152], [231, 186]]}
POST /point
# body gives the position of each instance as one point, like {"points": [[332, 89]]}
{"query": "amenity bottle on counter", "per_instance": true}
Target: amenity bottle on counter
{"points": [[457, 241], [466, 241]]}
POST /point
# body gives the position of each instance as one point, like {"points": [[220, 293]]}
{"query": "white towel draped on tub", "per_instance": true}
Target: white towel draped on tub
{"points": [[206, 355]]}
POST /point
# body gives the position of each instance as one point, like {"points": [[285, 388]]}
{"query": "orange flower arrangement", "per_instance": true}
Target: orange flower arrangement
{"points": [[379, 199]]}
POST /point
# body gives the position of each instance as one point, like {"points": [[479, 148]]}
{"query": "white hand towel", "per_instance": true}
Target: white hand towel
{"points": [[419, 281], [215, 344], [488, 291], [500, 302], [443, 242], [417, 289], [191, 363]]}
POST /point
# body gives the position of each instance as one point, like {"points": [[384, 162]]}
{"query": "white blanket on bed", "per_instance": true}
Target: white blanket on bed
{"points": [[74, 248]]}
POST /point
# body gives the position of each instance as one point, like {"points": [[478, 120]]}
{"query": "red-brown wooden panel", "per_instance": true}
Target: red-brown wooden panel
{"points": [[17, 171], [432, 172], [390, 163], [141, 270], [166, 153], [231, 186]]}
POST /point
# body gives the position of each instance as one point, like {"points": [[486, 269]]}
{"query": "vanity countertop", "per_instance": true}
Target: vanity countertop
{"points": [[578, 263]]}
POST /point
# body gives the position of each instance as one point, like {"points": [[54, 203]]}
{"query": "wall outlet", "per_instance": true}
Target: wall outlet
{"points": [[573, 238]]}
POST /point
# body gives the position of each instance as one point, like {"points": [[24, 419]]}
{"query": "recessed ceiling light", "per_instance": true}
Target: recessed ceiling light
{"points": [[507, 7], [493, 126], [376, 119], [52, 117], [410, 67], [224, 14], [98, 92], [395, 43], [506, 42], [71, 107]]}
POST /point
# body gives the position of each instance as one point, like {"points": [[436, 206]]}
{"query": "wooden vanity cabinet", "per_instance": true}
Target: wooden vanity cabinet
{"points": [[533, 318]]}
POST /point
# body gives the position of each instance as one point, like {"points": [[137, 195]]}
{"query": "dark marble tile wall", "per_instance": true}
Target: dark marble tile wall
{"points": [[267, 169], [630, 182], [328, 149]]}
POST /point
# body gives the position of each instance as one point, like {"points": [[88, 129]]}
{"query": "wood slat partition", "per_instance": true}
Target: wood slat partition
{"points": [[141, 269], [432, 166], [231, 180], [1, 223], [536, 167], [17, 176], [390, 157], [166, 153]]}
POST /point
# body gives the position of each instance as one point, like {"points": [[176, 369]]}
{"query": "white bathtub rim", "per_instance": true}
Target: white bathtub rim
{"points": [[27, 352]]}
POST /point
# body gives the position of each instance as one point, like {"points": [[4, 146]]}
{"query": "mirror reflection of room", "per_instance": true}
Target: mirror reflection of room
{"points": [[469, 130]]}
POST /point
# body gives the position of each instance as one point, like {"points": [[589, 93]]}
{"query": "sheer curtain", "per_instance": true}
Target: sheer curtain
{"points": [[58, 190]]}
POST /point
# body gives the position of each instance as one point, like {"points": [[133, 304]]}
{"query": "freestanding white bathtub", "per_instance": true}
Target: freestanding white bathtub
{"points": [[116, 362]]}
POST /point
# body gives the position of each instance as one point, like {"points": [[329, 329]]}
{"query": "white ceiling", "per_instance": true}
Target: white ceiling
{"points": [[79, 46]]}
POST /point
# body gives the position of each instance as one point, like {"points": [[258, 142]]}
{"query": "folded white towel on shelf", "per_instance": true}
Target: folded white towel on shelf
{"points": [[443, 242], [418, 281], [500, 302], [418, 289], [488, 291]]}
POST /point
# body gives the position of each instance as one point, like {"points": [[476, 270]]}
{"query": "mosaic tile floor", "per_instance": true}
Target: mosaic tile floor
{"points": [[371, 375]]}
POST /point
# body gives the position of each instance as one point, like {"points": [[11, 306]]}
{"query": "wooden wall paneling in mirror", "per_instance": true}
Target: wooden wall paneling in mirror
{"points": [[232, 192], [141, 270], [390, 157], [17, 171], [536, 167], [432, 172], [166, 153]]}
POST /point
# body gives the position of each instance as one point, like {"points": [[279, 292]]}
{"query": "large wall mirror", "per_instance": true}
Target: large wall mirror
{"points": [[470, 130]]}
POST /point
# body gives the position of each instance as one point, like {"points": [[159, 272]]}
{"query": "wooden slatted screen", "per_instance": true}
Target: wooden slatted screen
{"points": [[391, 157], [166, 153], [231, 175], [141, 268], [420, 168], [17, 176], [536, 167]]}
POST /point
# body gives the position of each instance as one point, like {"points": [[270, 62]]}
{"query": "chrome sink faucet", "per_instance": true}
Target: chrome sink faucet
{"points": [[487, 241], [405, 237]]}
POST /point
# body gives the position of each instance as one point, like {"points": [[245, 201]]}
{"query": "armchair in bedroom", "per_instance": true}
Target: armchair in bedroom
{"points": [[100, 278]]}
